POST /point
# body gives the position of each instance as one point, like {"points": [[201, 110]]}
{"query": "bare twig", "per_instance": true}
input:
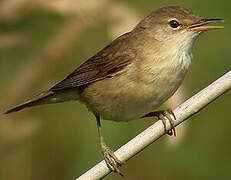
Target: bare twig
{"points": [[154, 132]]}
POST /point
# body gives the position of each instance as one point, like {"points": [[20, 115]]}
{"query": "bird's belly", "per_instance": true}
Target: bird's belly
{"points": [[121, 100]]}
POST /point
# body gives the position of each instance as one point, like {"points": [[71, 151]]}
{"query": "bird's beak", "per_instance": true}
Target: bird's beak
{"points": [[200, 26]]}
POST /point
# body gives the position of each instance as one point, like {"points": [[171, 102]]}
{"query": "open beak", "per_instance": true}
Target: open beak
{"points": [[200, 26]]}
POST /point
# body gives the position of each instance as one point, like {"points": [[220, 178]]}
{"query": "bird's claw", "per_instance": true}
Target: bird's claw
{"points": [[167, 115], [111, 160]]}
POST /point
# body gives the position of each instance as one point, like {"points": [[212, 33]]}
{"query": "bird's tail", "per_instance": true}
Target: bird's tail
{"points": [[48, 97], [43, 98]]}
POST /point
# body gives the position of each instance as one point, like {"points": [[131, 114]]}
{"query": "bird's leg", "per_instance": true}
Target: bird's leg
{"points": [[111, 160], [163, 115]]}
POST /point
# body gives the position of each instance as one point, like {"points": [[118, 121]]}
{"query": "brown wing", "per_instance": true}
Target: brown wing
{"points": [[109, 60]]}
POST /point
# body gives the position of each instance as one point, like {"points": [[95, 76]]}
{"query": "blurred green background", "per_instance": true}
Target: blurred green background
{"points": [[42, 41]]}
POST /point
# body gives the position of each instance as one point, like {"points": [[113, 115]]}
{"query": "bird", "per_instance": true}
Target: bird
{"points": [[133, 75]]}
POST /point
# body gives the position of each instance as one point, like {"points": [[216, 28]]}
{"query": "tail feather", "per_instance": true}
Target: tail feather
{"points": [[42, 98]]}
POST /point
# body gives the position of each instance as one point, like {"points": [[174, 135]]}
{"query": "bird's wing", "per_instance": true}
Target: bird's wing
{"points": [[113, 58]]}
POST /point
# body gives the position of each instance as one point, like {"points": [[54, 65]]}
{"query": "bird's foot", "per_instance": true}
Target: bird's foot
{"points": [[167, 115], [111, 160]]}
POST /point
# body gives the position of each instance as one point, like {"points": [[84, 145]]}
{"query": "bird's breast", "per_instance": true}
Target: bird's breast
{"points": [[135, 92]]}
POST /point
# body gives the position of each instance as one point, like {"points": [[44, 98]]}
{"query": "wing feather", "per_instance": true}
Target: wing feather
{"points": [[111, 59]]}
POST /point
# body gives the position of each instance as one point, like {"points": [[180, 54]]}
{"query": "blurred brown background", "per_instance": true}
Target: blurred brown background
{"points": [[42, 41]]}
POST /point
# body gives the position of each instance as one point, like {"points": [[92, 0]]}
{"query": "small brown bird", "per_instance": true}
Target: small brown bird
{"points": [[135, 74]]}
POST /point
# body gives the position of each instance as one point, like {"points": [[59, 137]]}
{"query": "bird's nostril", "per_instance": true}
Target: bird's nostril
{"points": [[210, 20]]}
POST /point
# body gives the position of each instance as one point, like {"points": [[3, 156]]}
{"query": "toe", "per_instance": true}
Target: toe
{"points": [[111, 160]]}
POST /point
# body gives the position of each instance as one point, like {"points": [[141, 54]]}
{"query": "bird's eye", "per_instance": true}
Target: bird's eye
{"points": [[174, 23]]}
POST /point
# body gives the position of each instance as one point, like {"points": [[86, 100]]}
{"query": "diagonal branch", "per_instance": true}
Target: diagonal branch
{"points": [[154, 132]]}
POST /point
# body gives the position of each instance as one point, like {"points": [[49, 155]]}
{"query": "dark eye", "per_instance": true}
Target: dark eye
{"points": [[174, 23]]}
